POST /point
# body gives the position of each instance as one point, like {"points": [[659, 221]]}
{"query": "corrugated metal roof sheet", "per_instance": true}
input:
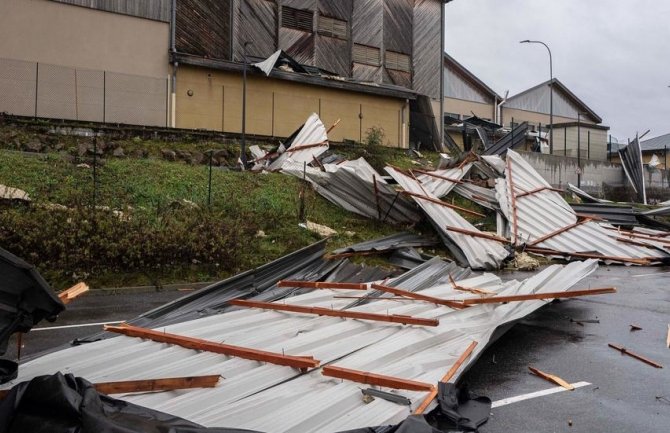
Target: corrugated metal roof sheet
{"points": [[476, 252], [544, 220], [264, 397], [631, 160]]}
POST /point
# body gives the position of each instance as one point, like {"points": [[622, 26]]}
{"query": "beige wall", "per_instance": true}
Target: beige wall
{"points": [[466, 108], [59, 34], [535, 118], [277, 107]]}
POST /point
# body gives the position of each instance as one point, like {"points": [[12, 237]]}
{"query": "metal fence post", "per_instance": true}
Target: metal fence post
{"points": [[37, 84], [209, 184]]}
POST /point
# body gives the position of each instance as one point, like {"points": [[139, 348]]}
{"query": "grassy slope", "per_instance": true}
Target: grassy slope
{"points": [[150, 185]]}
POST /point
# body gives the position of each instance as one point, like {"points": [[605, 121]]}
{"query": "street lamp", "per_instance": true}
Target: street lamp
{"points": [[243, 144], [551, 92]]}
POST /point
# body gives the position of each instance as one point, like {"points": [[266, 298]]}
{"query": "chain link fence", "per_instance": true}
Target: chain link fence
{"points": [[60, 92]]}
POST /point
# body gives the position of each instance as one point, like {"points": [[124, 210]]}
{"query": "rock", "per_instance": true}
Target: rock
{"points": [[83, 165], [100, 144], [319, 229], [169, 155], [118, 152], [34, 145], [184, 204], [10, 193], [183, 155], [197, 158], [261, 234], [82, 149], [525, 262], [350, 233]]}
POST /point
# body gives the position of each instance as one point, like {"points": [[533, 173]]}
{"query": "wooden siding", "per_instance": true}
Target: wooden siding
{"points": [[296, 43], [203, 28], [257, 24], [157, 10], [367, 29], [427, 60]]}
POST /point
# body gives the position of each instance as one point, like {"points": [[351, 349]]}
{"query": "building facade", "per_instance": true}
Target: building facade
{"points": [[370, 63]]}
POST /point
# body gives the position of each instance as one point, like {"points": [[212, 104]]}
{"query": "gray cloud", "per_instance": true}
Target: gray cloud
{"points": [[613, 54]]}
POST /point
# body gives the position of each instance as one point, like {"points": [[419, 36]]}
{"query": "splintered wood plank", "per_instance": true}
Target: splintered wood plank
{"points": [[301, 362], [446, 378], [375, 379], [66, 296], [625, 351], [150, 385], [552, 378], [535, 296], [320, 311]]}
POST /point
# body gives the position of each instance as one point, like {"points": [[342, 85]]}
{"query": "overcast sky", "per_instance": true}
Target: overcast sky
{"points": [[613, 54]]}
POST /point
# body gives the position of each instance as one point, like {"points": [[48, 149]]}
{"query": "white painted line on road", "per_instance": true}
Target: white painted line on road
{"points": [[518, 398], [80, 325], [651, 275]]}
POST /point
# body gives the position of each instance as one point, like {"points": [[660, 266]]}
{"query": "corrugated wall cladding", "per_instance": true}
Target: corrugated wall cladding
{"points": [[203, 28], [158, 10], [427, 59], [258, 25]]}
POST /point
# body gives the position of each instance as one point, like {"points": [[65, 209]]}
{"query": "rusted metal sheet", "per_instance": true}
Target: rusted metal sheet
{"points": [[426, 58], [257, 24], [203, 28], [158, 10]]}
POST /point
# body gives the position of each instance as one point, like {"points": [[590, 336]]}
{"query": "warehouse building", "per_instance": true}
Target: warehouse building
{"points": [[178, 63]]}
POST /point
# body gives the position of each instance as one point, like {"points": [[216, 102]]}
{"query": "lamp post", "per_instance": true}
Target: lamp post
{"points": [[551, 92], [243, 144], [579, 151]]}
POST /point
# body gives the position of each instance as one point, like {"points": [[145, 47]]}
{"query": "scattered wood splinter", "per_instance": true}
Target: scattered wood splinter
{"points": [[551, 378], [625, 351], [66, 296]]}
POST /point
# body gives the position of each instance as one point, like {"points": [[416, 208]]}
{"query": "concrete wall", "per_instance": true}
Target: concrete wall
{"points": [[276, 107], [560, 170], [77, 37], [466, 108]]}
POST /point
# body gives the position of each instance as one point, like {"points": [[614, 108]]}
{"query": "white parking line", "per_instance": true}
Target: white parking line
{"points": [[80, 325], [518, 398]]}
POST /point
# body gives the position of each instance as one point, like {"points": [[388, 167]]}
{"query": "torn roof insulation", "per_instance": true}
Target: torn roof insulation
{"points": [[265, 397]]}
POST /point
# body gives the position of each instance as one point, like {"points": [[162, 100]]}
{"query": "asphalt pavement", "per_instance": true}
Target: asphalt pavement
{"points": [[567, 338]]}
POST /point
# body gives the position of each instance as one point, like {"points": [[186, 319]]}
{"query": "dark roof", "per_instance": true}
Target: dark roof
{"points": [[584, 125], [657, 143], [567, 92], [472, 78], [310, 77]]}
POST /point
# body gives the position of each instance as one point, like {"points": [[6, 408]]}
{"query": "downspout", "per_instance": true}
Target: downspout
{"points": [[175, 65], [441, 121]]}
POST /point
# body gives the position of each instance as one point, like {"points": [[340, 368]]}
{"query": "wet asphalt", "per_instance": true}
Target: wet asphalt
{"points": [[625, 394]]}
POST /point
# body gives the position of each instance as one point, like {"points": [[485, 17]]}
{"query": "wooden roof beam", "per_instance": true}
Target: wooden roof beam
{"points": [[446, 378], [320, 311], [375, 379], [322, 285], [301, 362], [536, 296], [418, 296]]}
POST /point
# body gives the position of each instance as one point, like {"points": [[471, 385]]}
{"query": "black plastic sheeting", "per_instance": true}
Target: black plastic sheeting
{"points": [[258, 284], [25, 298], [67, 404]]}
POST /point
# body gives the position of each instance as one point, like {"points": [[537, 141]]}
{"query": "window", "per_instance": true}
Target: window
{"points": [[297, 19], [332, 27], [367, 55], [397, 61]]}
